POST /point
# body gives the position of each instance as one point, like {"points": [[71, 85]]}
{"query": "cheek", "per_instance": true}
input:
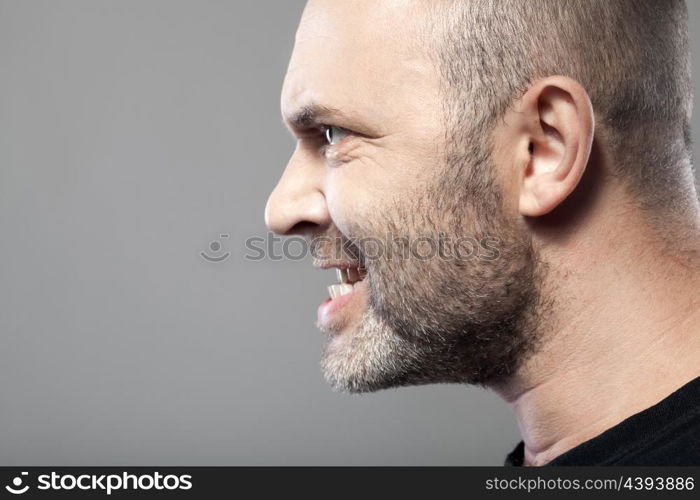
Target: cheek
{"points": [[367, 187], [352, 202]]}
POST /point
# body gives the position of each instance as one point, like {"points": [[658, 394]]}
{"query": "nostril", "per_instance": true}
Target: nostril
{"points": [[303, 227]]}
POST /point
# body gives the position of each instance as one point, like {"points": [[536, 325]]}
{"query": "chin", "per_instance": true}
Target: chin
{"points": [[359, 358], [370, 358]]}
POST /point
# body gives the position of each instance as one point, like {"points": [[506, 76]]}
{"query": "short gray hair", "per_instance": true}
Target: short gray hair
{"points": [[632, 57]]}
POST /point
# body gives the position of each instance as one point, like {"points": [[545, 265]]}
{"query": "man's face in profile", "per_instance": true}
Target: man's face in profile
{"points": [[375, 162]]}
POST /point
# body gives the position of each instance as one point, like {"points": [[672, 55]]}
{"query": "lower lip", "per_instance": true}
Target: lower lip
{"points": [[331, 308]]}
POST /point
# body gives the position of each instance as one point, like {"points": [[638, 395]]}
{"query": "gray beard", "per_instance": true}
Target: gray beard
{"points": [[473, 323], [441, 321]]}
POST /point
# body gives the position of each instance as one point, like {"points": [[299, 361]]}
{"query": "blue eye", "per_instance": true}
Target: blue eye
{"points": [[335, 134]]}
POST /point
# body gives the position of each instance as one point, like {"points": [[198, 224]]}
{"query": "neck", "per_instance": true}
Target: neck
{"points": [[623, 335]]}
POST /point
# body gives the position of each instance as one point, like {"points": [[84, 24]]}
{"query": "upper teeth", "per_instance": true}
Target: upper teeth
{"points": [[347, 279], [336, 291]]}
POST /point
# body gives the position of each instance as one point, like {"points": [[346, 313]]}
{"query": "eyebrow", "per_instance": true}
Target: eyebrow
{"points": [[311, 116]]}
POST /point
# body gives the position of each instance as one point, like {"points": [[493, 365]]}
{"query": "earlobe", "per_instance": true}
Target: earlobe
{"points": [[560, 134]]}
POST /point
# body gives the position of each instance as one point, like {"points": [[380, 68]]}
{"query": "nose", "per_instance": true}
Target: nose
{"points": [[297, 204]]}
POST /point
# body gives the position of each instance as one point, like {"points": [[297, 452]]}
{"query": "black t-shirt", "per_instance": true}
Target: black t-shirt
{"points": [[668, 433]]}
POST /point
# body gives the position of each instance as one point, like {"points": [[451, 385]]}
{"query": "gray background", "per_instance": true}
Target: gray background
{"points": [[132, 134]]}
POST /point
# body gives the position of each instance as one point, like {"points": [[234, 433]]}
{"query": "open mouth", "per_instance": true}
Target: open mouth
{"points": [[348, 279]]}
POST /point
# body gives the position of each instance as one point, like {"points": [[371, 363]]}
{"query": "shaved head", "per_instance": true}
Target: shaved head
{"points": [[631, 56]]}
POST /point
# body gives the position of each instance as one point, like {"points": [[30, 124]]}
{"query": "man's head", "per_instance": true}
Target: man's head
{"points": [[420, 122]]}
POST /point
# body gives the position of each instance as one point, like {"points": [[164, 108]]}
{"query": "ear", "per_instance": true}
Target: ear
{"points": [[559, 123]]}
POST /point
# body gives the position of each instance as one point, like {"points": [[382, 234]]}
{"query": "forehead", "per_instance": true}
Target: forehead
{"points": [[363, 57]]}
